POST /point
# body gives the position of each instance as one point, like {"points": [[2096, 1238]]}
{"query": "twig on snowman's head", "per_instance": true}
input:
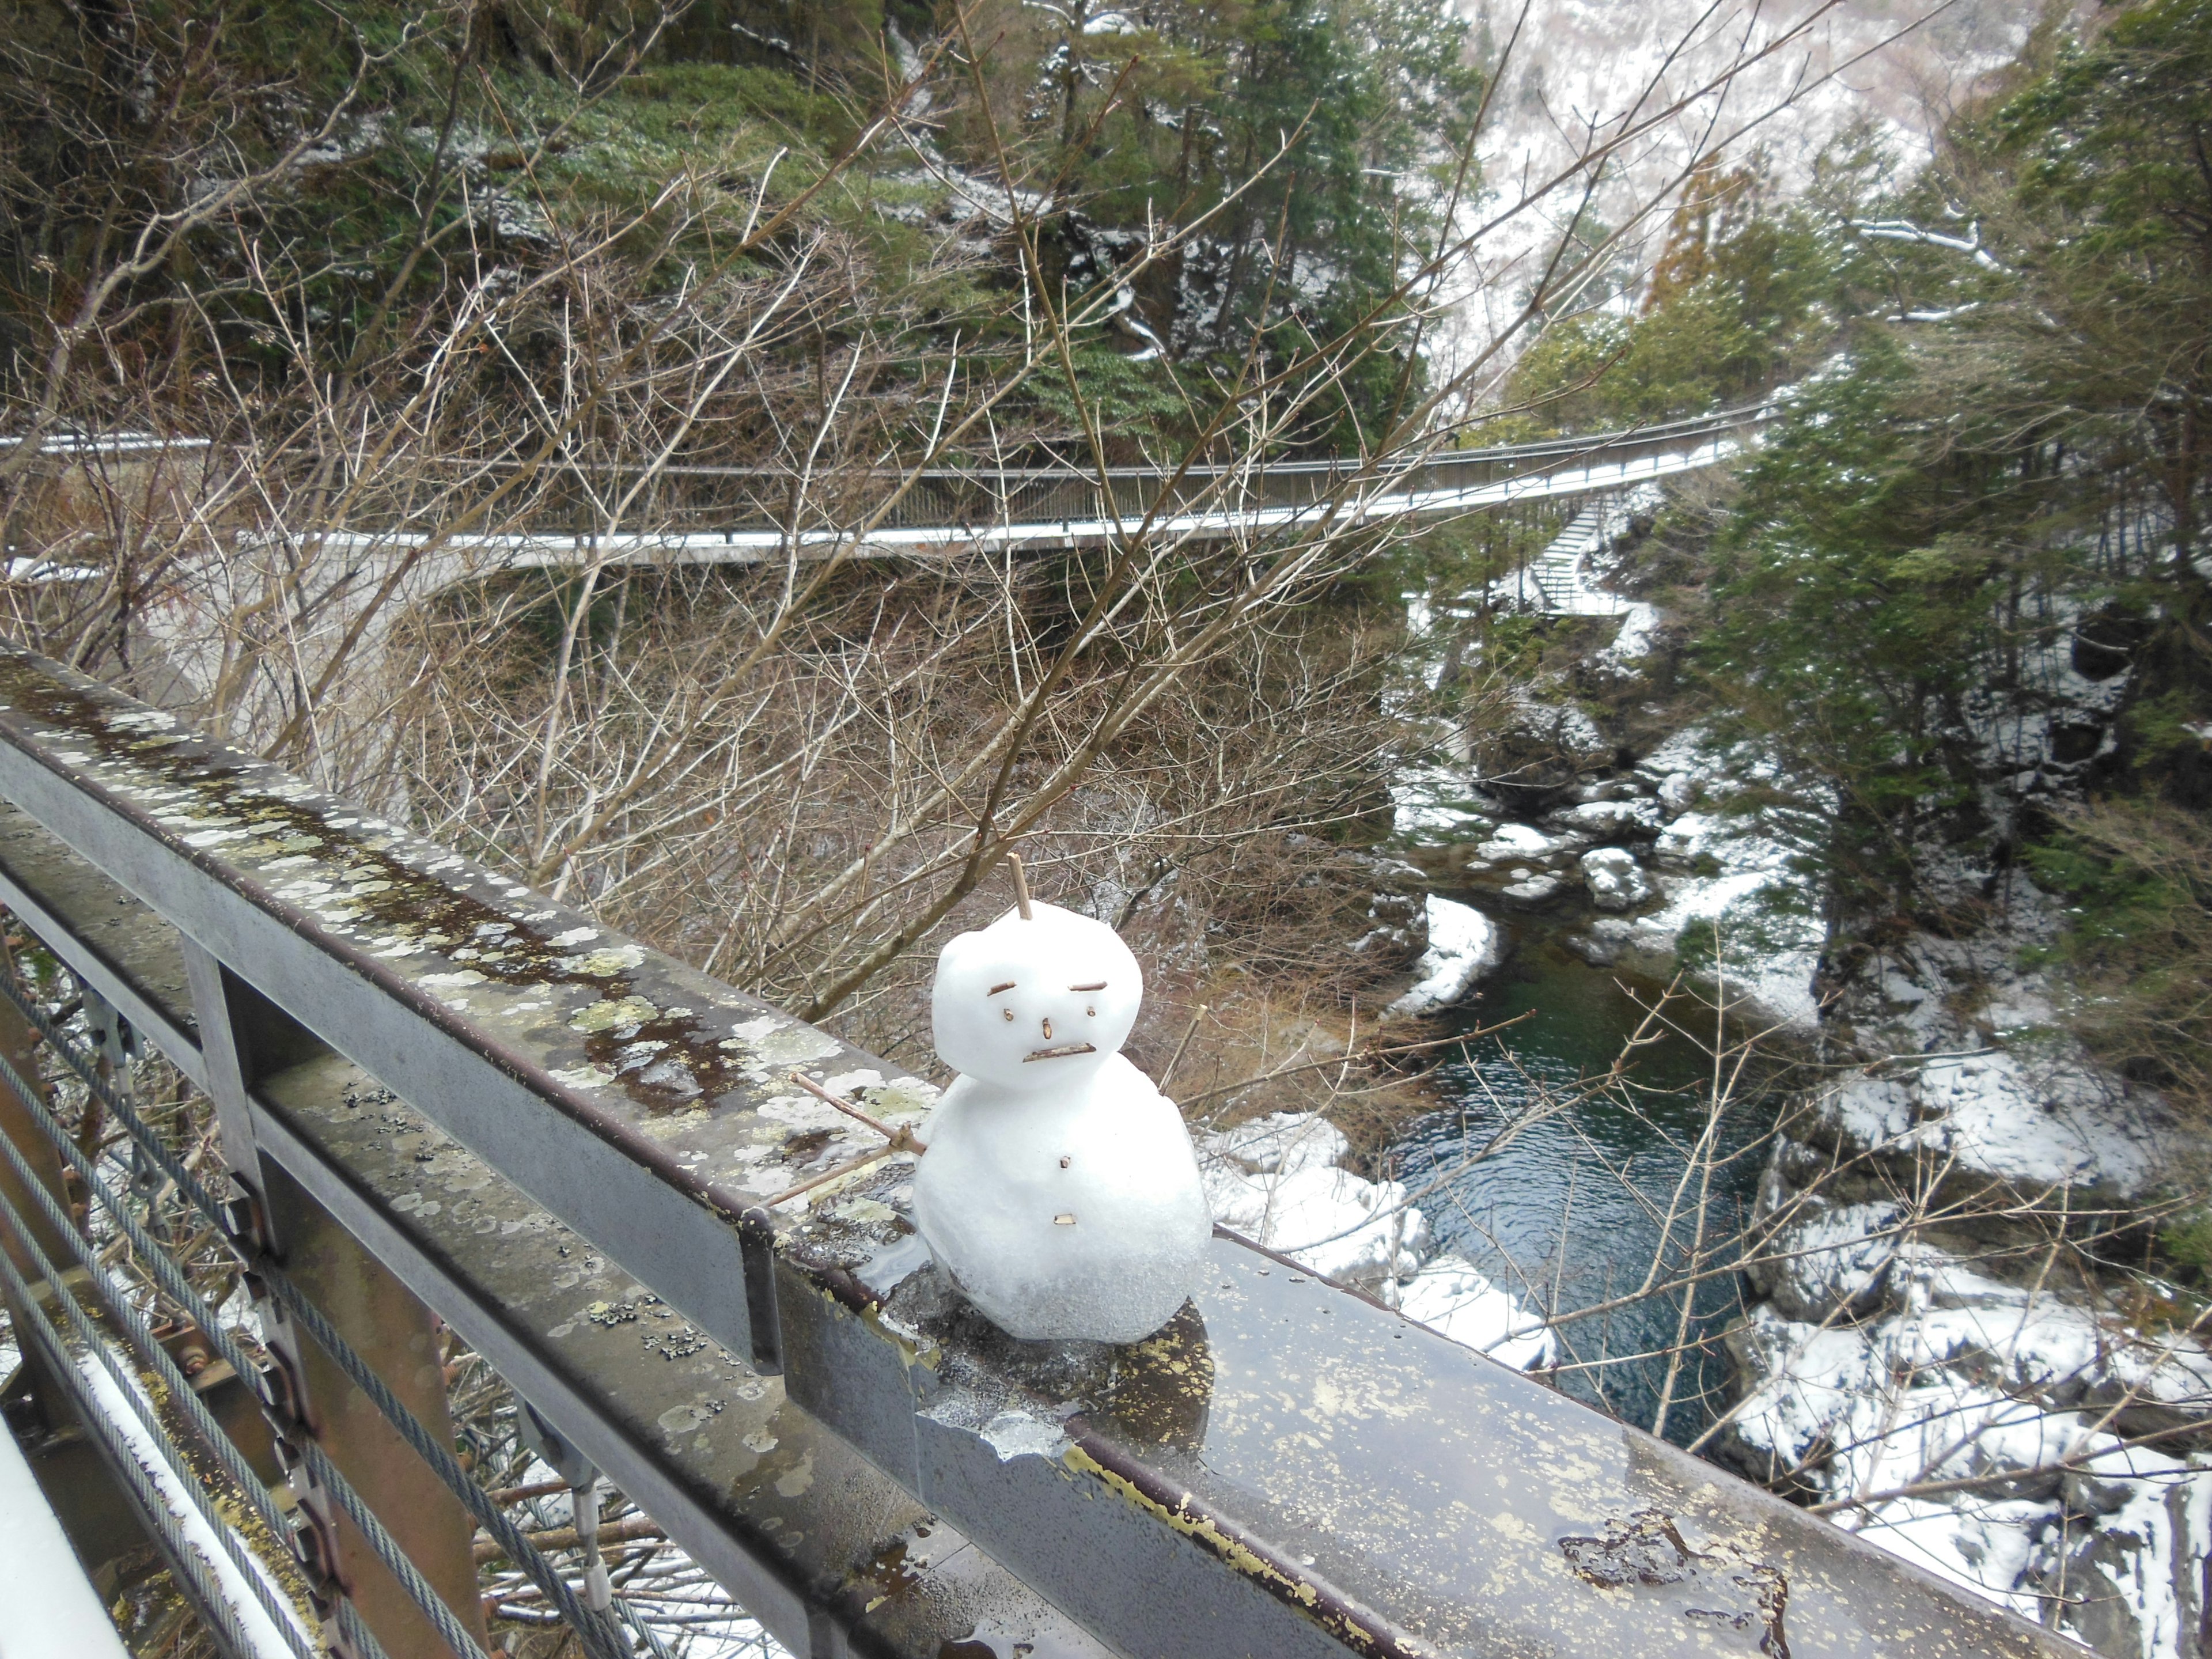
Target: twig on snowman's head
{"points": [[1021, 887], [902, 1140]]}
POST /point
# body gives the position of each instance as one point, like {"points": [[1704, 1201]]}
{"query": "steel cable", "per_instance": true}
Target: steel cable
{"points": [[179, 1289], [281, 1614], [153, 1505], [597, 1631], [601, 1635]]}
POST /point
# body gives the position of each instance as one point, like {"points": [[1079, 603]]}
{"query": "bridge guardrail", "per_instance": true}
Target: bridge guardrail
{"points": [[689, 500], [567, 1146]]}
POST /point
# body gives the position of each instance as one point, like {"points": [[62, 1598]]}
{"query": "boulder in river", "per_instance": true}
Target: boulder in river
{"points": [[1616, 881], [1535, 890], [1464, 945]]}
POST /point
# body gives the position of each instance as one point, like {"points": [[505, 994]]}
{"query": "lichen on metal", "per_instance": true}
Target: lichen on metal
{"points": [[607, 1027]]}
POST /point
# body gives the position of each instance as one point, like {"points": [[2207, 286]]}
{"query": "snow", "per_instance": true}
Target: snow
{"points": [[1277, 1180], [1834, 1258], [1639, 625], [1959, 1377], [1958, 1370], [1434, 803], [1616, 881], [2036, 1120], [1452, 1299], [1523, 841], [1534, 889], [1613, 818], [261, 1630], [1464, 945], [1765, 912], [1562, 725], [59, 1615], [1060, 1191]]}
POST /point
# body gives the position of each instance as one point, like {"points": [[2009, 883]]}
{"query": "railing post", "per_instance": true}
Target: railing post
{"points": [[243, 1036]]}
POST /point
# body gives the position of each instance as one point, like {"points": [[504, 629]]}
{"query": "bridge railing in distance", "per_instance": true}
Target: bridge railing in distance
{"points": [[688, 499], [567, 1145]]}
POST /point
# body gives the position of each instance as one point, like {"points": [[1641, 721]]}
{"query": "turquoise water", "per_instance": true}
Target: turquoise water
{"points": [[1571, 1212]]}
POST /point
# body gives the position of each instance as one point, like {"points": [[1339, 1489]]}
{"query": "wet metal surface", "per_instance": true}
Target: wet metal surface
{"points": [[1287, 1470]]}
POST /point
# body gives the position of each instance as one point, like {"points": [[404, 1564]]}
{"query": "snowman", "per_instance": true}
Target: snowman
{"points": [[1060, 1190]]}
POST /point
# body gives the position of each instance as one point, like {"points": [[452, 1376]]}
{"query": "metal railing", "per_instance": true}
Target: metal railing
{"points": [[744, 514], [571, 1148], [705, 499]]}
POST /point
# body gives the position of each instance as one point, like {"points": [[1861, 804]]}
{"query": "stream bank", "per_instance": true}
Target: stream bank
{"points": [[1935, 1334]]}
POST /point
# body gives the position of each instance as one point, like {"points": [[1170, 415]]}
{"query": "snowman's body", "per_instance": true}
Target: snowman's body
{"points": [[1060, 1189]]}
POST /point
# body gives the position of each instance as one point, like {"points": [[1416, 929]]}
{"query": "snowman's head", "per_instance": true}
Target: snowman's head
{"points": [[1035, 1004]]}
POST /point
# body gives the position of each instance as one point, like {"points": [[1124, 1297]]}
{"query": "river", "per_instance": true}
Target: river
{"points": [[1569, 1212]]}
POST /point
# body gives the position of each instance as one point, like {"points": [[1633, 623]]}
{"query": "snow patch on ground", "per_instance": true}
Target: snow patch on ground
{"points": [[1277, 1181]]}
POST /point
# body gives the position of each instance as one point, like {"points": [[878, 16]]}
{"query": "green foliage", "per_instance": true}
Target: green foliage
{"points": [[1738, 299], [2031, 362], [2139, 879], [2186, 1243], [1297, 130], [1127, 397], [1844, 609]]}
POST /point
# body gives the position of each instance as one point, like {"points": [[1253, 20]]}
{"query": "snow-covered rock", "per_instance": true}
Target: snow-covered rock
{"points": [[1434, 803], [1613, 818], [1464, 945], [1963, 1376], [1880, 1360], [1616, 881], [1830, 1260], [1633, 643], [1763, 910], [1278, 1179], [1527, 843], [1533, 889], [1451, 1299], [2040, 1120]]}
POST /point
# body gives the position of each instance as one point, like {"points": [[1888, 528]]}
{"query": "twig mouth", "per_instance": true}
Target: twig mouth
{"points": [[1060, 1053]]}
